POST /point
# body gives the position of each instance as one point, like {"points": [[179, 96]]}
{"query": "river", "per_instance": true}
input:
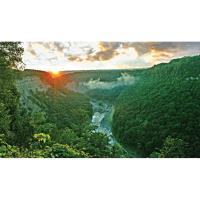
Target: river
{"points": [[102, 118]]}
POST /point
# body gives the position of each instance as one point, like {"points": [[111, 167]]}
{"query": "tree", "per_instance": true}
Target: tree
{"points": [[172, 148], [164, 102], [11, 54], [42, 146], [4, 120], [10, 57]]}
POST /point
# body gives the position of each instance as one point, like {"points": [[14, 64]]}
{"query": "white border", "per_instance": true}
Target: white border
{"points": [[105, 20], [94, 20], [99, 179]]}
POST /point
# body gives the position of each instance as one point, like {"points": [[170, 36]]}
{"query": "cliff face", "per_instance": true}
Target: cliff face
{"points": [[26, 87]]}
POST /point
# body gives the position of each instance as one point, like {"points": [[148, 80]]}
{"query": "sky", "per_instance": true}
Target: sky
{"points": [[63, 56]]}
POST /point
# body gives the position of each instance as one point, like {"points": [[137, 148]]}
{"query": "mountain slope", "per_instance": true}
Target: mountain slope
{"points": [[163, 106], [40, 92], [50, 111]]}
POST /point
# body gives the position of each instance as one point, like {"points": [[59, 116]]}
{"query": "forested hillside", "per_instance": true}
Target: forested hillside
{"points": [[41, 118], [152, 112], [159, 116]]}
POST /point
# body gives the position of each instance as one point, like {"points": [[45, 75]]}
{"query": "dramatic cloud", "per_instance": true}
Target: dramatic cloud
{"points": [[103, 55], [107, 50]]}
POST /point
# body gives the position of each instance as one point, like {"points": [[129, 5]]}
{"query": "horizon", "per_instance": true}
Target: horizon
{"points": [[84, 56]]}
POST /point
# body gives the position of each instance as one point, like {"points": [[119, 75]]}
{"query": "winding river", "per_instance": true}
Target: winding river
{"points": [[102, 118]]}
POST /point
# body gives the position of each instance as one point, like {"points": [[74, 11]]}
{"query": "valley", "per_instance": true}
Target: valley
{"points": [[101, 102], [136, 109], [149, 112]]}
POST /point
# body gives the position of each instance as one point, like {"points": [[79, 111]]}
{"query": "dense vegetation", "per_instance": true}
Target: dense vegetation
{"points": [[106, 95], [159, 116], [60, 127]]}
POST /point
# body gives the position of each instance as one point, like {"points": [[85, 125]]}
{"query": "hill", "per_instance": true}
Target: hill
{"points": [[159, 116], [58, 106]]}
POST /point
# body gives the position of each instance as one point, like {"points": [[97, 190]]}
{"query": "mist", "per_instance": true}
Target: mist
{"points": [[124, 80]]}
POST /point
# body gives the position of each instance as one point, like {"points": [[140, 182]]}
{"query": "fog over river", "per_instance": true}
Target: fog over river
{"points": [[102, 111]]}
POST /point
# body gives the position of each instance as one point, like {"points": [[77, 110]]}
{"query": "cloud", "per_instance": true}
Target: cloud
{"points": [[104, 55], [106, 52], [156, 52], [103, 51], [31, 49], [60, 46]]}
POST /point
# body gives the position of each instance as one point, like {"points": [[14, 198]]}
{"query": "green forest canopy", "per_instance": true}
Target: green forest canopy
{"points": [[60, 129], [159, 116]]}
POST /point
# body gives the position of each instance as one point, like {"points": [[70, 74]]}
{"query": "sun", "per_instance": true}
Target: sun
{"points": [[55, 73]]}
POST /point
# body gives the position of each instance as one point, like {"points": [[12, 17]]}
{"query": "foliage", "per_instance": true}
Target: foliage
{"points": [[11, 54], [4, 119], [40, 147], [64, 108], [172, 148], [165, 102], [10, 57], [63, 114], [158, 116]]}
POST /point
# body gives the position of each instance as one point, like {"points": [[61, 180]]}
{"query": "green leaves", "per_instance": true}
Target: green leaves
{"points": [[41, 138], [172, 148], [5, 119], [164, 102], [11, 54]]}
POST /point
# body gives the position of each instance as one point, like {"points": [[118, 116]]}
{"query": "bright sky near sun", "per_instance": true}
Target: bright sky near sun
{"points": [[59, 56]]}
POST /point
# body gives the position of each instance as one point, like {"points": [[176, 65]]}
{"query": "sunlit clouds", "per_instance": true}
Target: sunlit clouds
{"points": [[58, 56]]}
